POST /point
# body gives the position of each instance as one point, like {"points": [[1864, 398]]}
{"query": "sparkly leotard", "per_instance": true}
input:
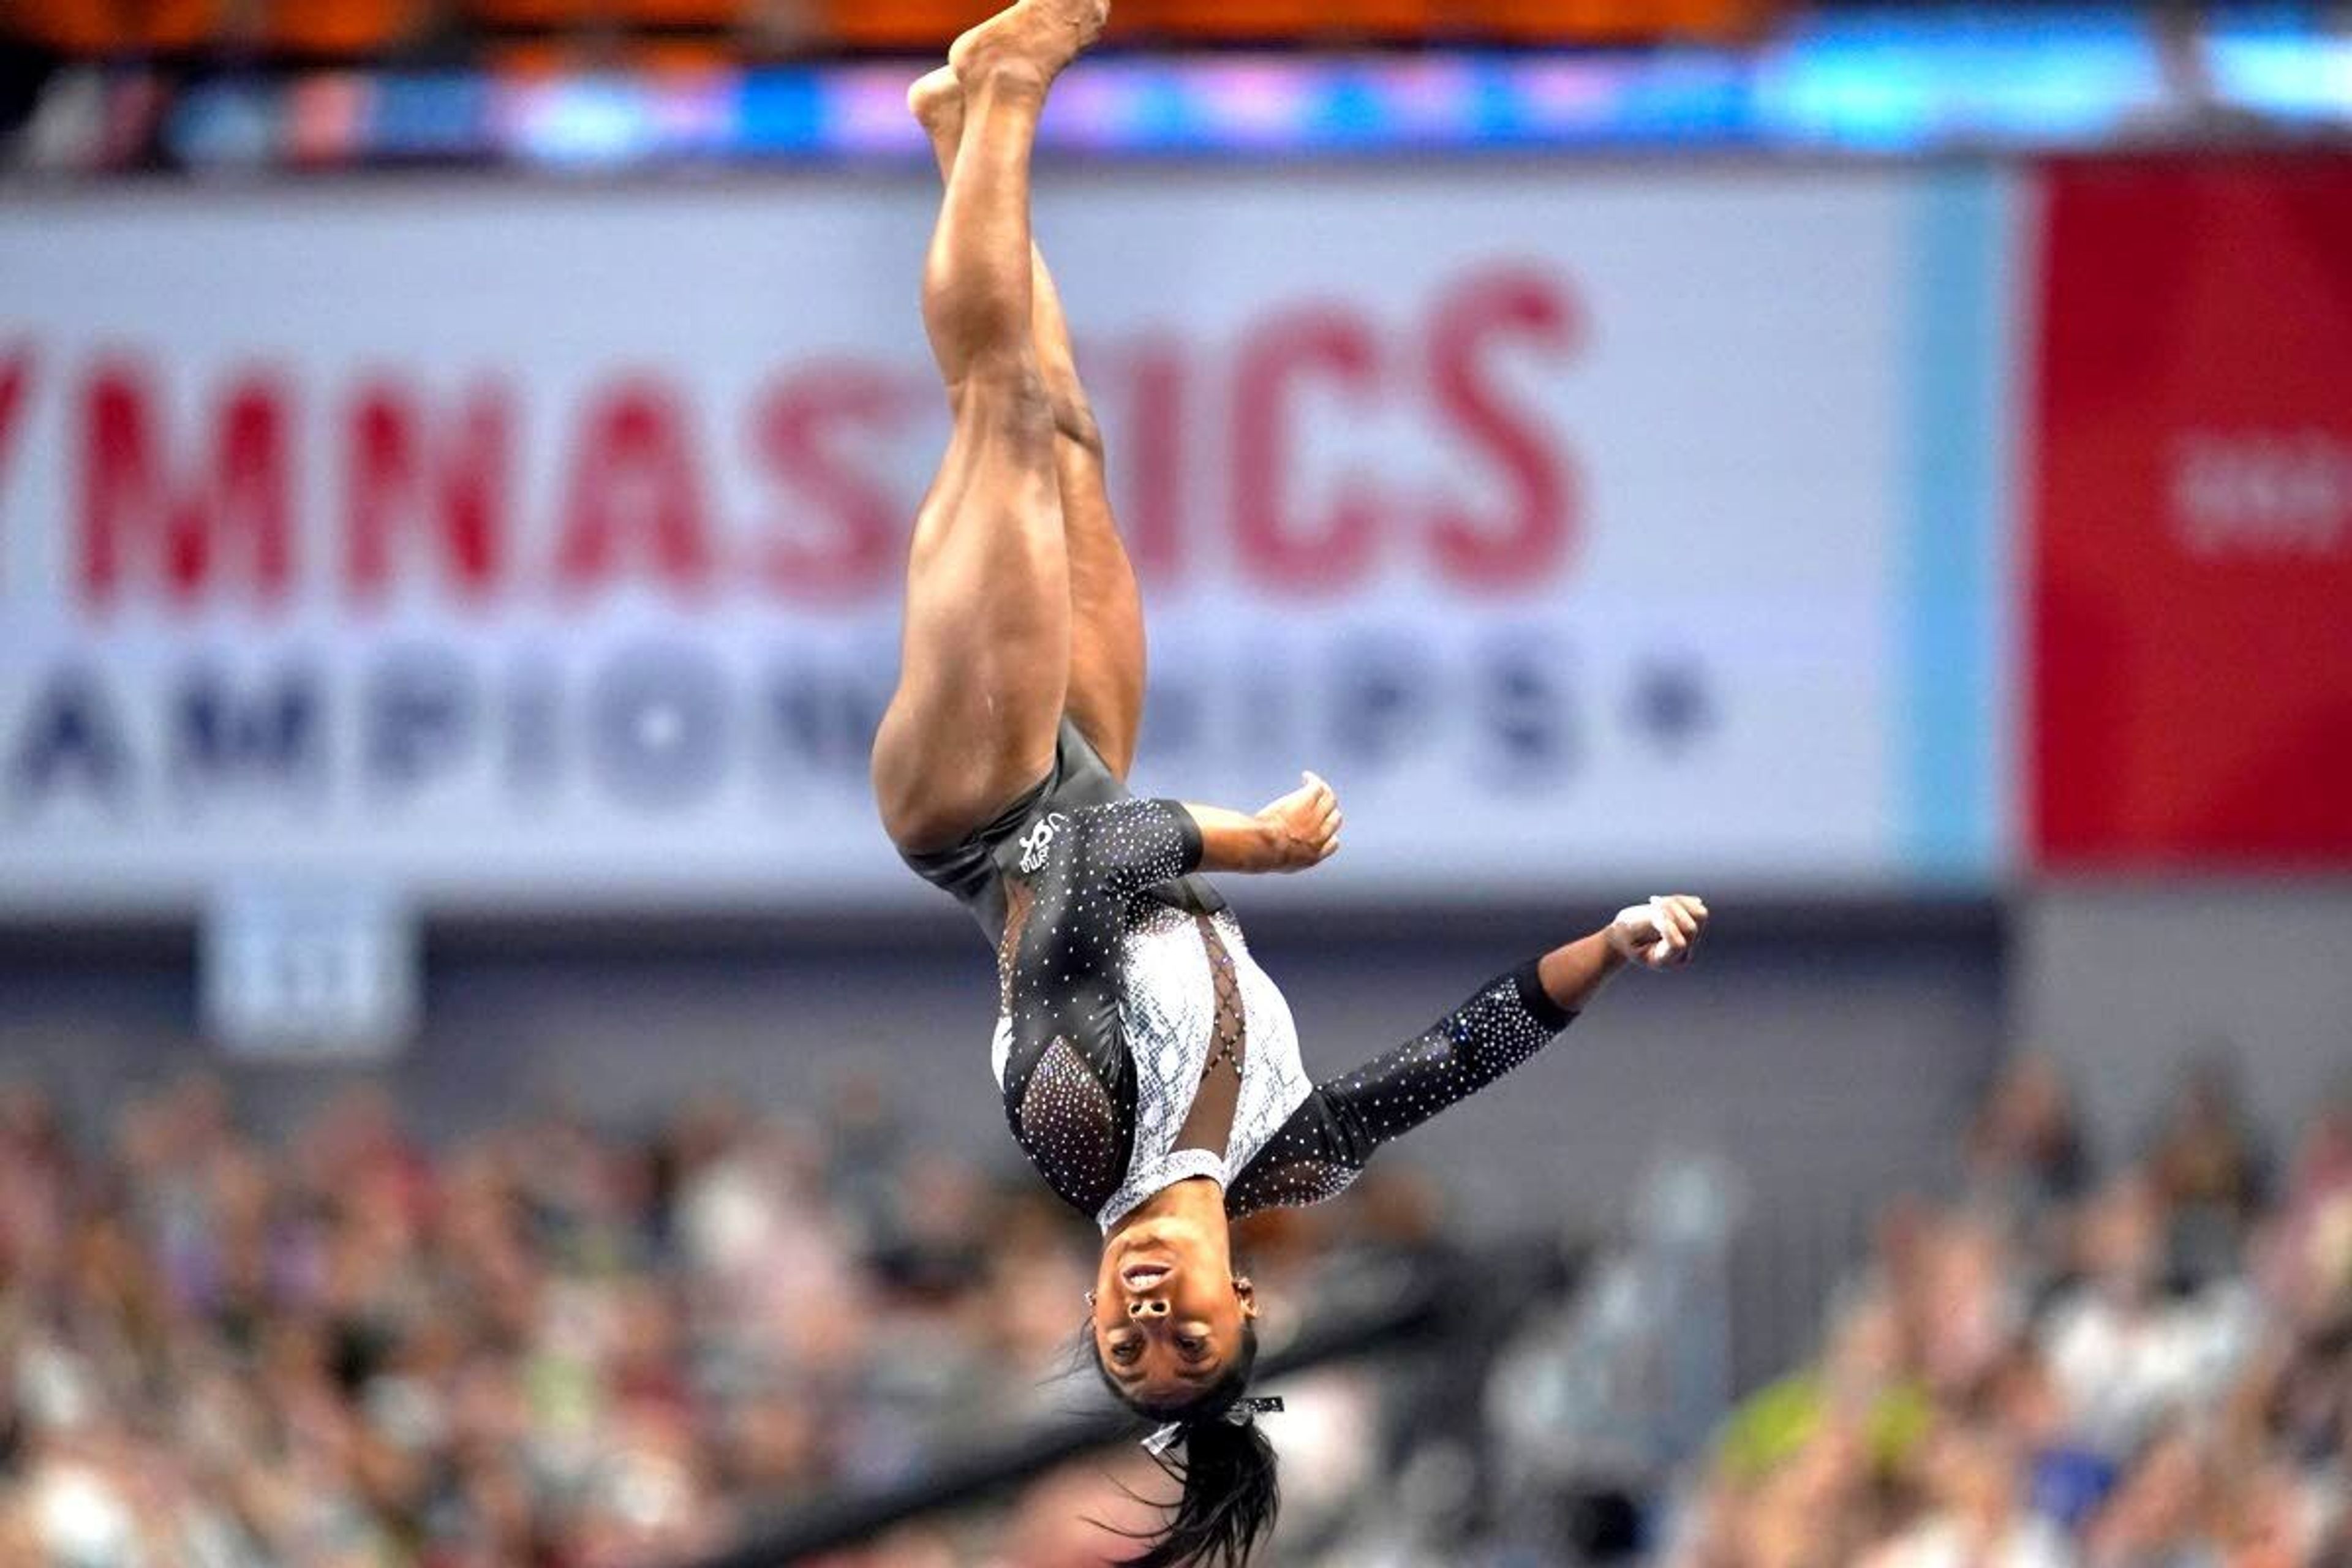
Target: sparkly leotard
{"points": [[1126, 982]]}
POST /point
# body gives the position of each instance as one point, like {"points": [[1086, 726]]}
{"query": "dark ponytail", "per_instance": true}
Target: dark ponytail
{"points": [[1230, 1494]]}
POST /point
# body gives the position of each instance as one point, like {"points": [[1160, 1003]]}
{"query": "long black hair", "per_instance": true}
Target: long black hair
{"points": [[1230, 1492]]}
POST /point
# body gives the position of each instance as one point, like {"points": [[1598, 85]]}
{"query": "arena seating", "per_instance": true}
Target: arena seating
{"points": [[552, 1342]]}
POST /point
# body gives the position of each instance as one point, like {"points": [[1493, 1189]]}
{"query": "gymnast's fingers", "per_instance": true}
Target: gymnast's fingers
{"points": [[1669, 921], [1696, 909]]}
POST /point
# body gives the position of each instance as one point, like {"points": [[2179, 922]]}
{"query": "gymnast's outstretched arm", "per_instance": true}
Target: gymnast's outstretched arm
{"points": [[1327, 1142]]}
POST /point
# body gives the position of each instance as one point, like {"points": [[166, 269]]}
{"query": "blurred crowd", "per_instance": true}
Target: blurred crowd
{"points": [[2143, 1367], [551, 1346], [545, 1348], [557, 1346]]}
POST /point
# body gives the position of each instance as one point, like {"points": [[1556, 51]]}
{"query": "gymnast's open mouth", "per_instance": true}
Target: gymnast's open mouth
{"points": [[1141, 1277]]}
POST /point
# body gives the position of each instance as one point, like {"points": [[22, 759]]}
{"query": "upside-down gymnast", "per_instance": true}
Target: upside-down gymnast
{"points": [[1149, 1069]]}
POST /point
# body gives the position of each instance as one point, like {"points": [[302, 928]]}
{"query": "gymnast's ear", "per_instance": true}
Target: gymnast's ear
{"points": [[1248, 1294]]}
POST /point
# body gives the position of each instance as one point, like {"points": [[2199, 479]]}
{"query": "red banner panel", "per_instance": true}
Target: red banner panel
{"points": [[2191, 608]]}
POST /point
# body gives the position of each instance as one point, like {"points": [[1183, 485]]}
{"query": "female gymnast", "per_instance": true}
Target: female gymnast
{"points": [[1149, 1069]]}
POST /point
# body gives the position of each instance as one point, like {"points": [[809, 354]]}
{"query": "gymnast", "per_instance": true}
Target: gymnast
{"points": [[1149, 1069]]}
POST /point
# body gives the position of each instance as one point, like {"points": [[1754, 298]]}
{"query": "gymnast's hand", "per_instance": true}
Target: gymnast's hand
{"points": [[1663, 933], [1300, 830], [1304, 825]]}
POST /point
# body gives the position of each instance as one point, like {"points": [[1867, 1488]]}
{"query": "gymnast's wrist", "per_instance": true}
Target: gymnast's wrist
{"points": [[1237, 841], [1277, 847]]}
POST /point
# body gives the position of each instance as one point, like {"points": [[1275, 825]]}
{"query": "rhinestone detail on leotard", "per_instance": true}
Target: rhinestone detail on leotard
{"points": [[1109, 1012]]}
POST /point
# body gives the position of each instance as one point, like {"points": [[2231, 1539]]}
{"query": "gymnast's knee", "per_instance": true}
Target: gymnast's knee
{"points": [[975, 313], [1074, 421], [1004, 396]]}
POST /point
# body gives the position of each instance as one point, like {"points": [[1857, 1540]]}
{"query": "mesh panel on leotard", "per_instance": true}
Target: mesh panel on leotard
{"points": [[1066, 1120], [1208, 1124]]}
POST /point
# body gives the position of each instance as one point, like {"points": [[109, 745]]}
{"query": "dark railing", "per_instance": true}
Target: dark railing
{"points": [[1463, 1304]]}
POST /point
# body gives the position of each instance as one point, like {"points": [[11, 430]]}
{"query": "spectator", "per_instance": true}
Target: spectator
{"points": [[2023, 1153], [2154, 1373], [2209, 1173]]}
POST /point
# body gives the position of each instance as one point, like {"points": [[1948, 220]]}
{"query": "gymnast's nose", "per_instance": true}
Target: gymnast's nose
{"points": [[1147, 1306]]}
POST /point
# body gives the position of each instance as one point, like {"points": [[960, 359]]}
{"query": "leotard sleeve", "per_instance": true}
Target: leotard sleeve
{"points": [[1326, 1142], [1114, 850]]}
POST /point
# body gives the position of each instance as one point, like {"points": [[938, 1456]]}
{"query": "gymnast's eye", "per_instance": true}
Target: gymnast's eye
{"points": [[1192, 1346], [1125, 1350]]}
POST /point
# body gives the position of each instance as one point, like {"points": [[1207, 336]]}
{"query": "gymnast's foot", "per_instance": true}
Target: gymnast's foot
{"points": [[1030, 41]]}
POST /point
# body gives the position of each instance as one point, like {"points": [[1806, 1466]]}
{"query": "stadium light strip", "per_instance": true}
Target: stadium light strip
{"points": [[1863, 84]]}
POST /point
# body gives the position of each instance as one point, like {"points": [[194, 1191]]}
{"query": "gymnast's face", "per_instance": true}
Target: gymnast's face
{"points": [[1168, 1309]]}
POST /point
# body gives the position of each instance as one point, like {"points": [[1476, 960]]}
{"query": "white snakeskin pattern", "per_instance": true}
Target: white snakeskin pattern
{"points": [[1169, 1008], [1169, 1011]]}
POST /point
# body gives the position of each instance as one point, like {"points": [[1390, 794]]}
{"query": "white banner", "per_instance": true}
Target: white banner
{"points": [[527, 549]]}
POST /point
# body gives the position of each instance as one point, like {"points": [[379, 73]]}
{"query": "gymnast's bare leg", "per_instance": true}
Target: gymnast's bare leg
{"points": [[1105, 697], [984, 671]]}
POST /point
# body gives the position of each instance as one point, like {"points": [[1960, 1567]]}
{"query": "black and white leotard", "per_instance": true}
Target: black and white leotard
{"points": [[1122, 973]]}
